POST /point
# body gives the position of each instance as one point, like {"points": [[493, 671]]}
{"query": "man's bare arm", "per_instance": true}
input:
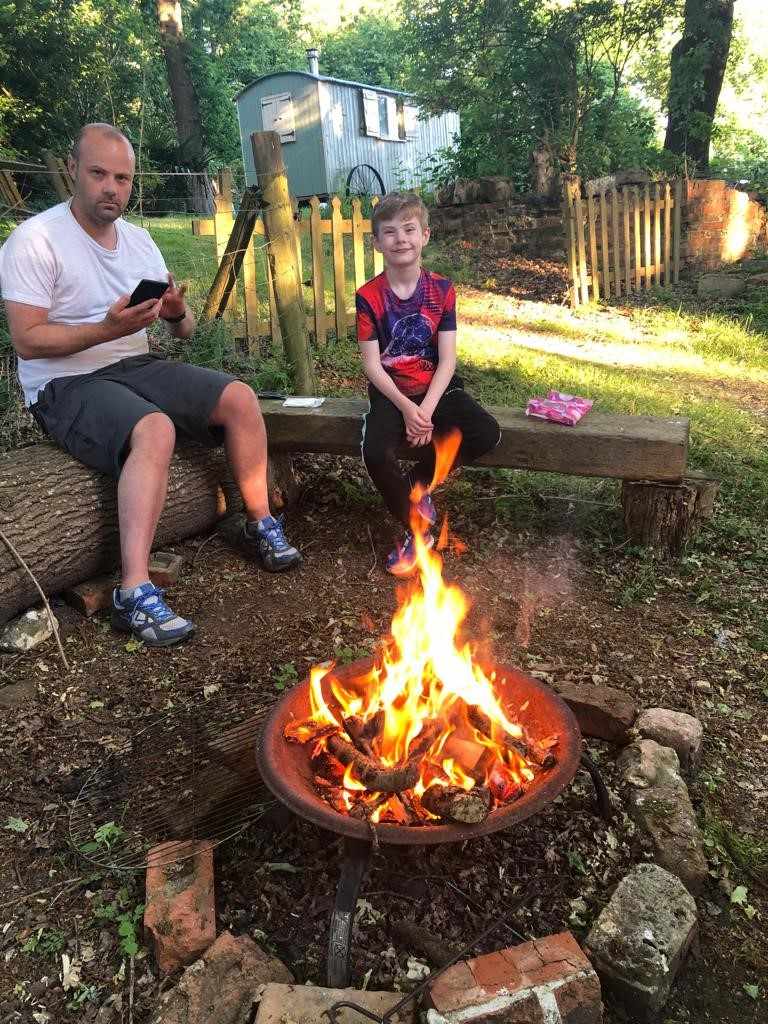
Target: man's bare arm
{"points": [[34, 337]]}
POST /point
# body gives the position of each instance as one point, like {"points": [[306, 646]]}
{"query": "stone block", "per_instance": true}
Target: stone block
{"points": [[641, 938], [180, 910], [661, 808], [601, 711], [92, 596], [675, 729], [309, 1004], [165, 568], [223, 986], [27, 632], [721, 286], [546, 981]]}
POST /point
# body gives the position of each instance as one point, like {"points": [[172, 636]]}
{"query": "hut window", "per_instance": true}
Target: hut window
{"points": [[277, 116], [411, 121], [379, 115]]}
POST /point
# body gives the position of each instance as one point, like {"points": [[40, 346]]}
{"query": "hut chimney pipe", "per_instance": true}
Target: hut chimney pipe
{"points": [[313, 58]]}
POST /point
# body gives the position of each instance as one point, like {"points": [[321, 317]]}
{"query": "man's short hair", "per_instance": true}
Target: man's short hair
{"points": [[100, 127], [399, 204]]}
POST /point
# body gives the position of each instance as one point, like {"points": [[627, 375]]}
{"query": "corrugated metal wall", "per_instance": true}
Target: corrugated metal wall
{"points": [[329, 141], [304, 159], [397, 162]]}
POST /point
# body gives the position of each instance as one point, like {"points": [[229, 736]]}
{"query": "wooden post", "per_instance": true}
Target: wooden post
{"points": [[358, 244], [666, 516], [318, 269], [625, 204], [57, 181], [251, 295], [676, 241], [647, 236], [582, 249], [657, 234], [339, 277], [570, 247], [593, 245], [616, 242], [223, 221], [378, 259], [636, 223], [281, 253], [604, 244], [231, 257], [667, 234]]}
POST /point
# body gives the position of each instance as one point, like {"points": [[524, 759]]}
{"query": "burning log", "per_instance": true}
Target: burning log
{"points": [[364, 733], [538, 751], [467, 807], [374, 776]]}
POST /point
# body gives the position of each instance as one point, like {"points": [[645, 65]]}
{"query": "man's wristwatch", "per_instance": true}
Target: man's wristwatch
{"points": [[175, 319]]}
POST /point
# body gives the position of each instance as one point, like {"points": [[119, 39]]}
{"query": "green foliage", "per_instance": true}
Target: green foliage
{"points": [[105, 838], [284, 675], [366, 48], [48, 942], [126, 915]]}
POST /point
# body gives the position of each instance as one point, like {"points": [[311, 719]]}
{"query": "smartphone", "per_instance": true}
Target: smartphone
{"points": [[146, 290]]}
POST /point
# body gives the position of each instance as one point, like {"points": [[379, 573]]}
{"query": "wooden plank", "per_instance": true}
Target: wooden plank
{"points": [[318, 270], [251, 297], [581, 249], [358, 243], [339, 277], [345, 224], [203, 226], [10, 193], [223, 220], [636, 226], [622, 447], [604, 244], [676, 228], [657, 232], [58, 184], [667, 234], [219, 298], [570, 248], [592, 214], [378, 259], [626, 199], [647, 234], [616, 243], [20, 167]]}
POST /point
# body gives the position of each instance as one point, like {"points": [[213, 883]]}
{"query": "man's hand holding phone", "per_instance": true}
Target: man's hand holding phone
{"points": [[123, 319]]}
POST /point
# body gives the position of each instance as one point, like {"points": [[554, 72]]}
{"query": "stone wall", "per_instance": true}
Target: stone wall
{"points": [[720, 225], [526, 224]]}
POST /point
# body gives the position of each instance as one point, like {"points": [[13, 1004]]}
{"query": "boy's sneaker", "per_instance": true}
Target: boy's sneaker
{"points": [[148, 617], [402, 561], [426, 509], [265, 541]]}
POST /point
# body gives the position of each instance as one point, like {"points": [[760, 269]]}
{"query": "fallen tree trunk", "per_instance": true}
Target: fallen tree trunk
{"points": [[62, 517]]}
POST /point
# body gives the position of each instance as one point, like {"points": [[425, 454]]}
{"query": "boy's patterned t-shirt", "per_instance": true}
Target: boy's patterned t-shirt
{"points": [[407, 329]]}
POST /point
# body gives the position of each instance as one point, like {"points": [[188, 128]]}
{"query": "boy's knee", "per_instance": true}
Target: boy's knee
{"points": [[488, 435]]}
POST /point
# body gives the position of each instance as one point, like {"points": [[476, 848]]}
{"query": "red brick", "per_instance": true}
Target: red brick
{"points": [[579, 1001], [525, 957], [92, 596], [563, 946], [165, 568], [494, 971], [180, 909]]}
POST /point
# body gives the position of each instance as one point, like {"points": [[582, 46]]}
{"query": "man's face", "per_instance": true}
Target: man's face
{"points": [[103, 175], [401, 239]]}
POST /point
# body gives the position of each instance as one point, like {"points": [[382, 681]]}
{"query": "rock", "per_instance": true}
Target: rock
{"points": [[18, 694], [661, 808], [537, 982], [640, 940], [27, 632], [721, 286], [180, 911], [632, 176], [223, 986], [165, 568], [465, 192], [309, 1004], [444, 195], [674, 729], [601, 711], [92, 596], [495, 189]]}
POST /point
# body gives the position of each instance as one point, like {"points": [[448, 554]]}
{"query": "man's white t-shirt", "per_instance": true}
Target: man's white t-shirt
{"points": [[51, 262]]}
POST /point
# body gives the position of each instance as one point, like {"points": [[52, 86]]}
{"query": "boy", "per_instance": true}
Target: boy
{"points": [[406, 327]]}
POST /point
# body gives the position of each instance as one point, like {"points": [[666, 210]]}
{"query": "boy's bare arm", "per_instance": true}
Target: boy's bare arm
{"points": [[446, 367], [416, 421], [34, 338]]}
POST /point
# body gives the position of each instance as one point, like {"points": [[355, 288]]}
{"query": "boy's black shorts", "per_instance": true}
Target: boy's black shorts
{"points": [[91, 415]]}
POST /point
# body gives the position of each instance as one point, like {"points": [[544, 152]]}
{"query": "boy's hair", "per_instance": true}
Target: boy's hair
{"points": [[397, 204]]}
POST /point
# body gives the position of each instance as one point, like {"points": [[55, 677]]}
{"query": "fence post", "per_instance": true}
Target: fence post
{"points": [[281, 253], [223, 220], [569, 224], [318, 269], [358, 244], [57, 179], [676, 242], [378, 259], [339, 277]]}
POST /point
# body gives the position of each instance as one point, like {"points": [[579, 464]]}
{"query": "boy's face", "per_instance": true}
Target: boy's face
{"points": [[401, 240]]}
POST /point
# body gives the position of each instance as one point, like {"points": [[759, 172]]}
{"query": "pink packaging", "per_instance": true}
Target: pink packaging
{"points": [[559, 408]]}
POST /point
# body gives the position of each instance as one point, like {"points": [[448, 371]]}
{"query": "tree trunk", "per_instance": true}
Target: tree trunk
{"points": [[62, 517], [666, 517], [185, 105], [698, 63], [545, 171]]}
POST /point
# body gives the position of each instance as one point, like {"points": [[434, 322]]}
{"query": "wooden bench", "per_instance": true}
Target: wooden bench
{"points": [[663, 504]]}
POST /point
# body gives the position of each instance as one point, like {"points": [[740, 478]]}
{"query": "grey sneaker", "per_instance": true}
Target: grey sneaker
{"points": [[265, 541], [148, 617]]}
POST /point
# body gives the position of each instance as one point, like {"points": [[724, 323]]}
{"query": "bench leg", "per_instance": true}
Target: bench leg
{"points": [[664, 516], [282, 483]]}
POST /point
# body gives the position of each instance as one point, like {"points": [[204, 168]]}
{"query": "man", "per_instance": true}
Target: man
{"points": [[90, 382]]}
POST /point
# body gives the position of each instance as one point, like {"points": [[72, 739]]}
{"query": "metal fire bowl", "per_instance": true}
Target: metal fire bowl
{"points": [[286, 770]]}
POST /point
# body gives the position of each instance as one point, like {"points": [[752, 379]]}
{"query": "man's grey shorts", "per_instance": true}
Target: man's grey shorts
{"points": [[91, 415]]}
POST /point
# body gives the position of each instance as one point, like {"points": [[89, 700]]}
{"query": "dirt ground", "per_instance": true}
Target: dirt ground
{"points": [[565, 604]]}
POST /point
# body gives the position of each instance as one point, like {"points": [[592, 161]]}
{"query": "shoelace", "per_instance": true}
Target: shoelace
{"points": [[275, 536], [159, 610]]}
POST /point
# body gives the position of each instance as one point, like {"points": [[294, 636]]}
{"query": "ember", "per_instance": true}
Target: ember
{"points": [[421, 736]]}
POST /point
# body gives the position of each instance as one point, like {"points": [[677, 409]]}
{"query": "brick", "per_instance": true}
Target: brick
{"points": [[180, 910], [309, 1004], [165, 568], [92, 596], [601, 711], [546, 981]]}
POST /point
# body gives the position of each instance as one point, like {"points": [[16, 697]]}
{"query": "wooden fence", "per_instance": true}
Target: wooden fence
{"points": [[319, 263], [620, 241]]}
